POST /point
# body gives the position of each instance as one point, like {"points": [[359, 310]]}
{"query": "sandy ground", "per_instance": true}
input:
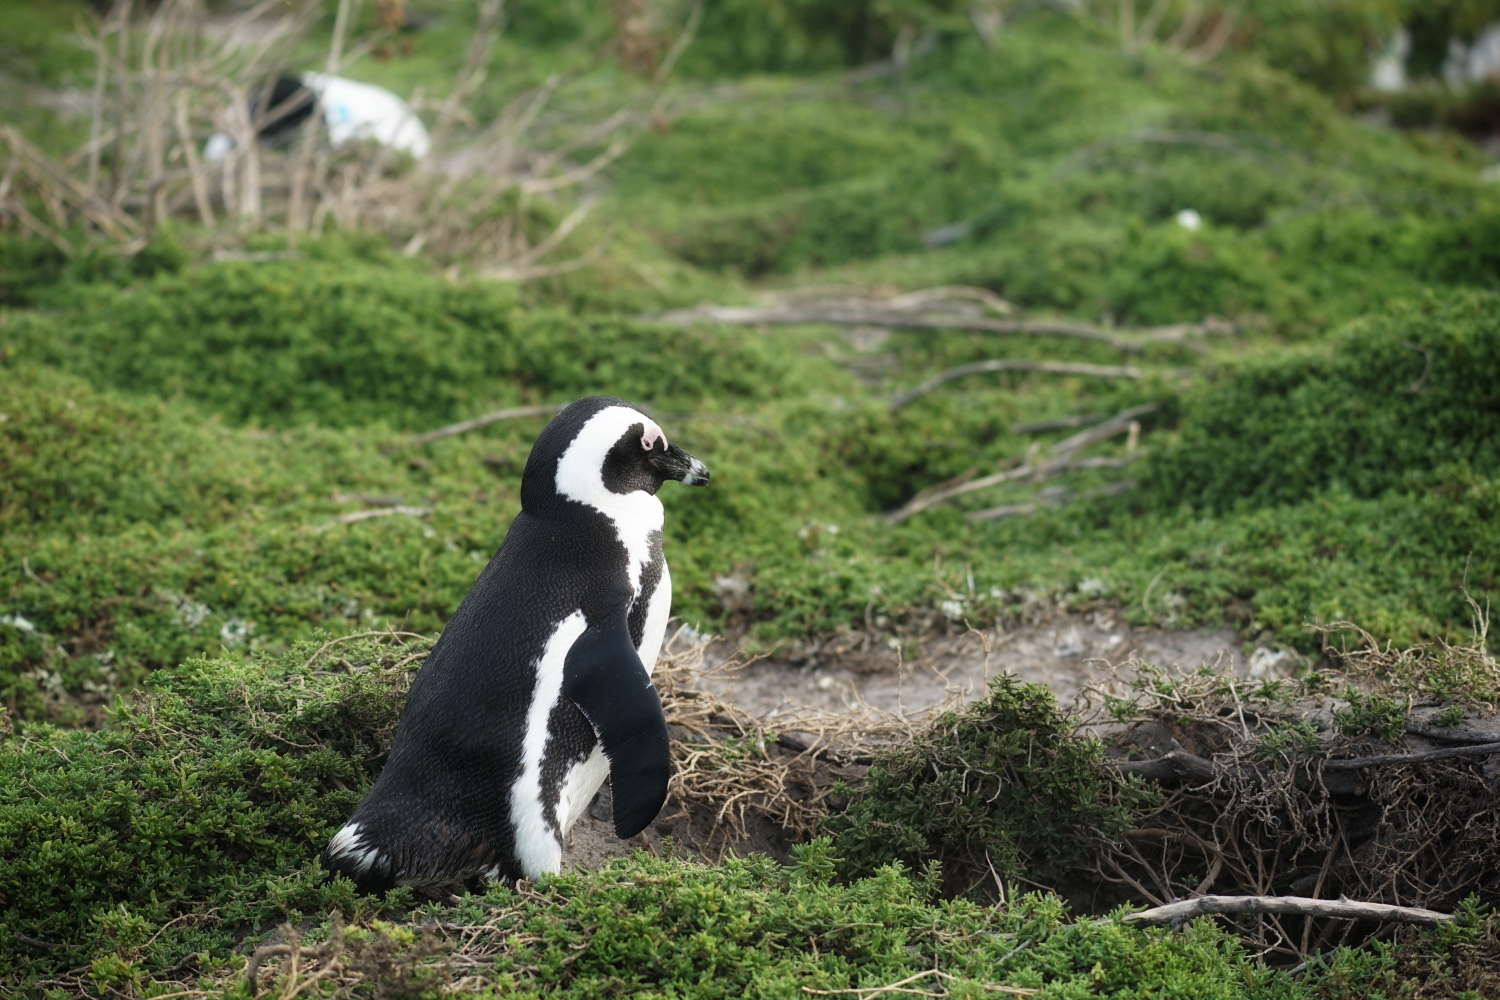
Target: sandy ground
{"points": [[1064, 652], [1058, 653]]}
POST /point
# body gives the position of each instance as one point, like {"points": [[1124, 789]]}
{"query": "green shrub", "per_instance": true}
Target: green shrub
{"points": [[214, 789], [1003, 785], [349, 343], [1387, 405], [1329, 43]]}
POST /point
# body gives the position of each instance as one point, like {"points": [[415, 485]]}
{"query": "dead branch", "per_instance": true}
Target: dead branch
{"points": [[464, 426], [365, 515], [1342, 909], [1029, 470], [1117, 424], [1180, 765], [44, 172], [932, 497], [154, 101], [1031, 507], [951, 296], [1060, 424], [531, 273], [1217, 38], [1452, 735], [904, 986], [1173, 766], [373, 499], [265, 951], [37, 943], [475, 67], [1403, 759], [852, 314], [1166, 137], [1005, 365]]}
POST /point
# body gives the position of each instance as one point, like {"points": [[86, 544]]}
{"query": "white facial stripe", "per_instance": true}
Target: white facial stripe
{"points": [[580, 476], [538, 843]]}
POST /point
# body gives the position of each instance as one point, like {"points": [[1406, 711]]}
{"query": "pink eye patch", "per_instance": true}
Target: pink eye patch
{"points": [[652, 435]]}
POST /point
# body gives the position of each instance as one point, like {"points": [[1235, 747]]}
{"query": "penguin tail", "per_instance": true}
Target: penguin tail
{"points": [[351, 854]]}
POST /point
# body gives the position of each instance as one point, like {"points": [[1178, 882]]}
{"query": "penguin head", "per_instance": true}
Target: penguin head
{"points": [[601, 448]]}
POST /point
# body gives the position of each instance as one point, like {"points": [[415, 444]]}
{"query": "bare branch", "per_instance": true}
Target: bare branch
{"points": [[1401, 759], [853, 313], [1060, 424], [1217, 38], [932, 497], [1173, 766], [1004, 365], [1452, 735], [190, 151], [1117, 424], [616, 149], [1344, 909], [476, 62], [546, 409], [45, 172], [37, 226], [365, 515], [1026, 509]]}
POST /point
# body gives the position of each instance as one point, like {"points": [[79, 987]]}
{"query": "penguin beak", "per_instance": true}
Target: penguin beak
{"points": [[674, 463]]}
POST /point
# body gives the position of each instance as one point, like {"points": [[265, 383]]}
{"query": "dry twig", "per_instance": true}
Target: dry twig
{"points": [[1032, 471], [464, 426], [1341, 909], [737, 768], [1007, 365], [944, 308]]}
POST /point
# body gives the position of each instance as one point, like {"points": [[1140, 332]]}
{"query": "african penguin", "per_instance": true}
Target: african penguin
{"points": [[540, 686]]}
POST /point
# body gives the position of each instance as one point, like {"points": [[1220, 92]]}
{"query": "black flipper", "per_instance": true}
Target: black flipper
{"points": [[604, 677]]}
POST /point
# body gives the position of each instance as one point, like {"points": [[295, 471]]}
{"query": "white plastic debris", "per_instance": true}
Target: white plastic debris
{"points": [[1267, 662], [1190, 220], [353, 112], [1483, 57], [16, 621], [217, 147], [1388, 74]]}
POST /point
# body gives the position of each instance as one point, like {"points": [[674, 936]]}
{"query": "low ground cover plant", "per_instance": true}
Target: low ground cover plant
{"points": [[175, 850], [1346, 479], [209, 483]]}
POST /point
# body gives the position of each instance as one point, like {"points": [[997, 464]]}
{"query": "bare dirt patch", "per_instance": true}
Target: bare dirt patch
{"points": [[850, 675]]}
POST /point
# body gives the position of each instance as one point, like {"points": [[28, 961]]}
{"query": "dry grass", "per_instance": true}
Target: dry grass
{"points": [[732, 769], [166, 81], [1269, 810]]}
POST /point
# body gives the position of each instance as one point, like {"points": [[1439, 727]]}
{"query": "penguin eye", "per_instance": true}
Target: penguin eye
{"points": [[649, 439]]}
